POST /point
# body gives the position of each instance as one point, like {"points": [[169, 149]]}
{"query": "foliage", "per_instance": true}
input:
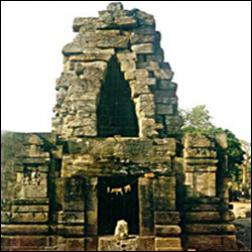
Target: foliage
{"points": [[196, 119]]}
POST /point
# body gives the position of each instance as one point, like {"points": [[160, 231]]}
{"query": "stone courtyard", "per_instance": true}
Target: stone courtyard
{"points": [[116, 152]]}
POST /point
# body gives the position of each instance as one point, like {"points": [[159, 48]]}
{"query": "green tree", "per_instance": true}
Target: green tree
{"points": [[198, 119]]}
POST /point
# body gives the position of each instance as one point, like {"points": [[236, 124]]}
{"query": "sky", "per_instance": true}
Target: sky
{"points": [[207, 43]]}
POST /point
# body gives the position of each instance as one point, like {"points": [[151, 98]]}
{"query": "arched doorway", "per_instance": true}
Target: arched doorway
{"points": [[116, 111]]}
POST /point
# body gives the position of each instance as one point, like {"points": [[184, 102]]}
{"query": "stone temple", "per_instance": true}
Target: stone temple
{"points": [[116, 153]]}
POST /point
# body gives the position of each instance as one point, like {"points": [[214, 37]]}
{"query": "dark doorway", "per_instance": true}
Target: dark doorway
{"points": [[114, 206], [116, 111]]}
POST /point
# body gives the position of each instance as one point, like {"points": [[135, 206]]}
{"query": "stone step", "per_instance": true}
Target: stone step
{"points": [[167, 230], [212, 242], [169, 249], [167, 242], [210, 228]]}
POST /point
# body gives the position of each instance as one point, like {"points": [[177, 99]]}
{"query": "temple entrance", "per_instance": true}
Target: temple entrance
{"points": [[117, 200]]}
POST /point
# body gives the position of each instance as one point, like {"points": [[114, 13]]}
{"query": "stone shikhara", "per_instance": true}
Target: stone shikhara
{"points": [[116, 126]]}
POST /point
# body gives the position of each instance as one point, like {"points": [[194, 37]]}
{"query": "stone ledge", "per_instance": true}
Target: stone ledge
{"points": [[166, 217], [12, 229], [167, 230], [202, 216], [210, 228], [201, 207], [168, 244], [212, 242]]}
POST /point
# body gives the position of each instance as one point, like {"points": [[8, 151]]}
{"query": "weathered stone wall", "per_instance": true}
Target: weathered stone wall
{"points": [[29, 211]]}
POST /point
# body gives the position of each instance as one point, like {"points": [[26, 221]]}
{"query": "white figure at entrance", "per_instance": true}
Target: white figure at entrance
{"points": [[121, 230]]}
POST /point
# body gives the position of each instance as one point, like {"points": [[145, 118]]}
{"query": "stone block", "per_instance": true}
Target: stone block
{"points": [[127, 65], [71, 230], [139, 38], [143, 49], [199, 153], [158, 56], [145, 196], [210, 228], [72, 49], [144, 19], [112, 244], [200, 168], [165, 109], [30, 208], [31, 229], [202, 216], [7, 243], [72, 218], [168, 243], [201, 161], [91, 244], [142, 74], [202, 200], [85, 131], [126, 56], [164, 193], [114, 7], [91, 70], [35, 217], [201, 207], [138, 88], [130, 75], [197, 140], [125, 22], [173, 100], [200, 184], [75, 244], [171, 87], [25, 202], [87, 23], [167, 230], [164, 74], [33, 241], [166, 217], [212, 242], [93, 54], [74, 206], [146, 243], [112, 41]]}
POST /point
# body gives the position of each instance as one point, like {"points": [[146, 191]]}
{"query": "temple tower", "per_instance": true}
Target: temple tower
{"points": [[116, 152]]}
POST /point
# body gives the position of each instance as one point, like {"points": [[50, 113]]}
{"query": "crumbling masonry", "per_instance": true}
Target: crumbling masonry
{"points": [[116, 152]]}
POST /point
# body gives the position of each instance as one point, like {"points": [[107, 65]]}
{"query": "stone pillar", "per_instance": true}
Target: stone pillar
{"points": [[70, 228], [166, 218], [206, 226], [91, 213], [145, 195], [72, 217]]}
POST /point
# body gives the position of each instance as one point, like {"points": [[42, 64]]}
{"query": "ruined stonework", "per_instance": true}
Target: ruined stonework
{"points": [[116, 153]]}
